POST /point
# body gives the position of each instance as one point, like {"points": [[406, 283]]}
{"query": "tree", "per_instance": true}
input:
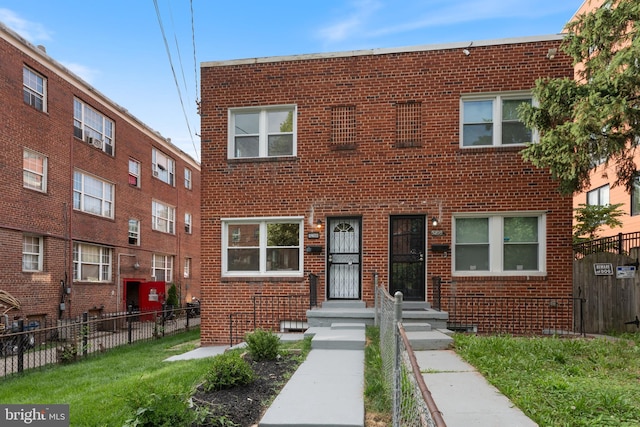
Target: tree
{"points": [[595, 118], [590, 218]]}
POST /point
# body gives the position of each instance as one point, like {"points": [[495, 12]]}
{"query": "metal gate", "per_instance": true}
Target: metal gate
{"points": [[407, 256], [343, 258]]}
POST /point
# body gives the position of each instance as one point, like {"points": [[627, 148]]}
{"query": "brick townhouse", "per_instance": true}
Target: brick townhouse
{"points": [[95, 205], [401, 162]]}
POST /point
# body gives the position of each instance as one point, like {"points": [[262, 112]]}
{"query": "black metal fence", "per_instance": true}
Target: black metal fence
{"points": [[282, 313], [30, 346], [515, 315], [622, 243]]}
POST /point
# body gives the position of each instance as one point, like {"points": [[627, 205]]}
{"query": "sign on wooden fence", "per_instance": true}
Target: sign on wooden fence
{"points": [[603, 269]]}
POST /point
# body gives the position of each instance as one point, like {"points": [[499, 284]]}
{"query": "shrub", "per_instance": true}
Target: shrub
{"points": [[164, 409], [262, 345], [228, 370]]}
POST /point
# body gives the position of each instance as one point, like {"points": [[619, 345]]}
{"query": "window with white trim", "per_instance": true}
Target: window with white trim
{"points": [[262, 132], [262, 247], [91, 263], [499, 244], [598, 196], [162, 267], [34, 170], [134, 173], [163, 167], [635, 197], [34, 88], [187, 268], [163, 217], [493, 121], [93, 127], [92, 195], [32, 253], [187, 223], [187, 178], [134, 232]]}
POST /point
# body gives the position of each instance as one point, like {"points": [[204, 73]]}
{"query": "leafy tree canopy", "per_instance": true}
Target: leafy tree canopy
{"points": [[591, 218], [595, 118]]}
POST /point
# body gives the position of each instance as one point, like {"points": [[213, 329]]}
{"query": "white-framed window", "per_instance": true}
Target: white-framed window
{"points": [[134, 232], [134, 173], [34, 170], [163, 167], [598, 196], [162, 267], [187, 178], [32, 253], [93, 127], [499, 244], [91, 263], [187, 223], [262, 132], [262, 246], [492, 120], [92, 195], [34, 88], [163, 217], [635, 197], [187, 268]]}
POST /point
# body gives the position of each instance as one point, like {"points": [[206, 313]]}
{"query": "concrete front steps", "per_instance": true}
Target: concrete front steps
{"points": [[356, 312], [423, 337]]}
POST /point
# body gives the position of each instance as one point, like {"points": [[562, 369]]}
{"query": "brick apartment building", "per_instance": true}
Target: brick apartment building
{"points": [[94, 204], [602, 190], [401, 162]]}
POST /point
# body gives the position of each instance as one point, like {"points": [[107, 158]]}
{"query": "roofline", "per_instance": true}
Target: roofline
{"points": [[384, 51], [39, 54]]}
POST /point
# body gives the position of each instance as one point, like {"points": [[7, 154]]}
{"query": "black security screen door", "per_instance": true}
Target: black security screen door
{"points": [[407, 257]]}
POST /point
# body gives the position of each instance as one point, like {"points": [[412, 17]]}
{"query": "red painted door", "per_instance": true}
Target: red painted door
{"points": [[150, 297]]}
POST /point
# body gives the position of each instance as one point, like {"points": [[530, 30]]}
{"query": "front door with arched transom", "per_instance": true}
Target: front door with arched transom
{"points": [[344, 258]]}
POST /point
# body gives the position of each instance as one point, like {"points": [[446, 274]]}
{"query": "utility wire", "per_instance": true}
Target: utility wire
{"points": [[173, 71], [195, 62]]}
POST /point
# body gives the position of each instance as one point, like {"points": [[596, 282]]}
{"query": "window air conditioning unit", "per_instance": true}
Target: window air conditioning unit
{"points": [[95, 142], [155, 173]]}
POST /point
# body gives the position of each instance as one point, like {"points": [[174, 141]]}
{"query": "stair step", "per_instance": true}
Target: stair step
{"points": [[429, 340], [416, 327]]}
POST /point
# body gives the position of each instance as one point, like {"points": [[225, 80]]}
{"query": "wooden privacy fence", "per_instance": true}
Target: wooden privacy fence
{"points": [[612, 302]]}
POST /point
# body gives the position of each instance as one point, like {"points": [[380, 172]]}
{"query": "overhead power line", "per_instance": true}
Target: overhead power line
{"points": [[175, 78]]}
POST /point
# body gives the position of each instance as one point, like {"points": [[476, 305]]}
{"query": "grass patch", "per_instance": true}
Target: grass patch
{"points": [[377, 398], [99, 388], [562, 381]]}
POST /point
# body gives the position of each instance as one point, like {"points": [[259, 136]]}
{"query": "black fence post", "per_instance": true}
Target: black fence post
{"points": [[313, 290], [22, 338], [84, 330], [129, 326], [437, 281]]}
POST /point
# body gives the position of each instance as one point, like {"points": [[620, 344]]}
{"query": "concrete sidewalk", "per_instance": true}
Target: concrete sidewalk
{"points": [[463, 396]]}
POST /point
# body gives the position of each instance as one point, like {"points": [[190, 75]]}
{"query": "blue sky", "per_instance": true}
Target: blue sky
{"points": [[118, 47]]}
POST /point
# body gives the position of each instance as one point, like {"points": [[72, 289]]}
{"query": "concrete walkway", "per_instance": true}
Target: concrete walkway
{"points": [[327, 389]]}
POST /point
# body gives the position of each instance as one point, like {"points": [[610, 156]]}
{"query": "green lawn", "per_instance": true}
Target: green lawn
{"points": [[562, 381], [99, 389]]}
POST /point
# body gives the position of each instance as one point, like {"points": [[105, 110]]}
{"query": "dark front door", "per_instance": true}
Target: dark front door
{"points": [[343, 258], [407, 257]]}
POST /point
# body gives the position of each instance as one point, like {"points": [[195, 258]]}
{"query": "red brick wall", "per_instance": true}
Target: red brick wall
{"points": [[376, 179], [51, 214]]}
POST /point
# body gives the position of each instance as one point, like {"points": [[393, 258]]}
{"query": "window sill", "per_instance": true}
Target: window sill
{"points": [[276, 159], [479, 277], [491, 149], [262, 279]]}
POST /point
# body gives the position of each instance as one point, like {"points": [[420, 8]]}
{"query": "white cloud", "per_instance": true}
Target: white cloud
{"points": [[352, 23], [85, 73], [374, 19], [32, 31]]}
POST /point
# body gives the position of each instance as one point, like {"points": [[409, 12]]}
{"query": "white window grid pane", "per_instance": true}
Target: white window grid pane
{"points": [[92, 195], [477, 120], [236, 247], [34, 170], [93, 124], [32, 253], [268, 132], [34, 89], [91, 262]]}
